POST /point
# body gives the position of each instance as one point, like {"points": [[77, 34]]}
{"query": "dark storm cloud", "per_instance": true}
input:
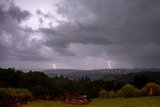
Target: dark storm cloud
{"points": [[17, 13], [62, 39], [126, 29]]}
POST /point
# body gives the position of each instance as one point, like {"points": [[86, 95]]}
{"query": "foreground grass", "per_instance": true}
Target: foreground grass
{"points": [[117, 102]]}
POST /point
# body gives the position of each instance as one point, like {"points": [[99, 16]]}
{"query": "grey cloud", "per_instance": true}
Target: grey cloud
{"points": [[125, 29], [17, 13], [14, 39], [66, 35]]}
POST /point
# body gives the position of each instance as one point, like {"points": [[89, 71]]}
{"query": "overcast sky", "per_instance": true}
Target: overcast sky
{"points": [[79, 34]]}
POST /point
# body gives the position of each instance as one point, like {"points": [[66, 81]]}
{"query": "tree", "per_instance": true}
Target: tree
{"points": [[140, 81]]}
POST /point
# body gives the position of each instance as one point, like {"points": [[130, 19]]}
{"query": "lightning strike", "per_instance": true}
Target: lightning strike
{"points": [[109, 66]]}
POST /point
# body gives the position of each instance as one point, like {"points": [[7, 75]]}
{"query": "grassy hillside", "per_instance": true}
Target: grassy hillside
{"points": [[118, 102]]}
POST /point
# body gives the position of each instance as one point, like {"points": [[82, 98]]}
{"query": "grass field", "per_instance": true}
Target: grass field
{"points": [[117, 102]]}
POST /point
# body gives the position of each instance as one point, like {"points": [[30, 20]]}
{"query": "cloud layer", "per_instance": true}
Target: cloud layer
{"points": [[83, 34]]}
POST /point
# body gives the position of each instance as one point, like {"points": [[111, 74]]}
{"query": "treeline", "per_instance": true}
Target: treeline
{"points": [[43, 87]]}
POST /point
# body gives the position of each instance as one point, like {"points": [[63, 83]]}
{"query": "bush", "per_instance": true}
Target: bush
{"points": [[11, 95], [3, 95], [128, 91], [150, 89], [18, 93], [103, 93], [119, 93], [111, 94]]}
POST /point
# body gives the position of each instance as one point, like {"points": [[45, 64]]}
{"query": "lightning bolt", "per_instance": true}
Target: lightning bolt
{"points": [[109, 66], [54, 66]]}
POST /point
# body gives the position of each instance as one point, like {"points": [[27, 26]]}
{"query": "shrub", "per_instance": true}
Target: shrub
{"points": [[11, 95], [18, 92], [119, 93], [150, 89], [103, 93], [3, 95], [111, 94], [128, 91]]}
